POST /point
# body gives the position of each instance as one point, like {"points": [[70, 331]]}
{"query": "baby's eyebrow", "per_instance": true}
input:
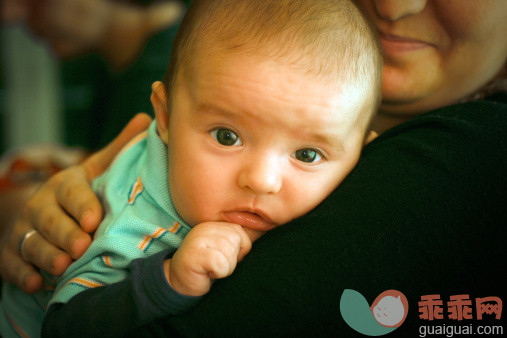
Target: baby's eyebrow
{"points": [[327, 140], [213, 110], [312, 137], [208, 108]]}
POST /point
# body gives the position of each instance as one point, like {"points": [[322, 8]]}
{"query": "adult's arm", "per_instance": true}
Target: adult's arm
{"points": [[56, 211], [422, 213]]}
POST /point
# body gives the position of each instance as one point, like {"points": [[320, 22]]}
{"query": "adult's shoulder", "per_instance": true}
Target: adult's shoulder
{"points": [[490, 113], [422, 212], [475, 117], [492, 107], [465, 134], [461, 146]]}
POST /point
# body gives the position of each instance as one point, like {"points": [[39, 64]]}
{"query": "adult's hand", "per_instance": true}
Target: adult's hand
{"points": [[63, 211]]}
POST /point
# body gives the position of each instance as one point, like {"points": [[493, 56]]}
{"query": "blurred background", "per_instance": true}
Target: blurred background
{"points": [[72, 73]]}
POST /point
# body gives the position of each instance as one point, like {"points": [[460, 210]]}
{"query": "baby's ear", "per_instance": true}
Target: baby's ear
{"points": [[159, 102], [371, 136]]}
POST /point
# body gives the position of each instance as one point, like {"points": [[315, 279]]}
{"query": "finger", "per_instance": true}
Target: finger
{"points": [[228, 249], [235, 233], [215, 264], [54, 225], [45, 255], [61, 230], [187, 278], [13, 268], [16, 271], [239, 237], [37, 250], [97, 163], [246, 242], [76, 196]]}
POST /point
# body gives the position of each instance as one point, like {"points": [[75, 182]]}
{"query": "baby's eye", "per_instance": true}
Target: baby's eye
{"points": [[307, 155], [226, 137]]}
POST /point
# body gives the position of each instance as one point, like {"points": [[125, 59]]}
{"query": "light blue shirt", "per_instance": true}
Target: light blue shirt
{"points": [[134, 192]]}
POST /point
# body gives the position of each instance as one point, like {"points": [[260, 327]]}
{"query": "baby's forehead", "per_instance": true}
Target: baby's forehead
{"points": [[278, 100], [278, 81], [328, 38]]}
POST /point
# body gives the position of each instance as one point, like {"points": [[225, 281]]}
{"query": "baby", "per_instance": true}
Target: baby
{"points": [[264, 110]]}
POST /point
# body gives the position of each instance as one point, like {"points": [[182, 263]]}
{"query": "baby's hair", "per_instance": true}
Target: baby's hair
{"points": [[329, 38]]}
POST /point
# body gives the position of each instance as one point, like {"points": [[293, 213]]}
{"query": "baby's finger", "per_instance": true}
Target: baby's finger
{"points": [[216, 264], [246, 242], [237, 236], [234, 233], [228, 250]]}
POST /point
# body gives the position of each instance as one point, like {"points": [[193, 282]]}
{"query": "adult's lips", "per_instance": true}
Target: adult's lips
{"points": [[396, 44]]}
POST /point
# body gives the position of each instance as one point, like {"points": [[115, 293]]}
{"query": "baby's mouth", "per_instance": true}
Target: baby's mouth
{"points": [[251, 220]]}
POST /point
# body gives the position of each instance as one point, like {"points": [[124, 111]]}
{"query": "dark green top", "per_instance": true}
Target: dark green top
{"points": [[423, 213]]}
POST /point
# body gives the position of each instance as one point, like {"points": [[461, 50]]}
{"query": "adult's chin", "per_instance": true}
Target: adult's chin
{"points": [[409, 90]]}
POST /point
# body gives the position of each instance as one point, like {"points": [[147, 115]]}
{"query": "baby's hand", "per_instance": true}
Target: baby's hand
{"points": [[211, 250]]}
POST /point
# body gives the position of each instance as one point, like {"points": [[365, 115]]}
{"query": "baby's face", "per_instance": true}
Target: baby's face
{"points": [[258, 143]]}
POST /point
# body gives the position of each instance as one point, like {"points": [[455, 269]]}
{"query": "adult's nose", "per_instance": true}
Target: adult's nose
{"points": [[262, 176], [396, 9]]}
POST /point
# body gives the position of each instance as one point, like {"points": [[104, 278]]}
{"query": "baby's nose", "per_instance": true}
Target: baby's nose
{"points": [[262, 176]]}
